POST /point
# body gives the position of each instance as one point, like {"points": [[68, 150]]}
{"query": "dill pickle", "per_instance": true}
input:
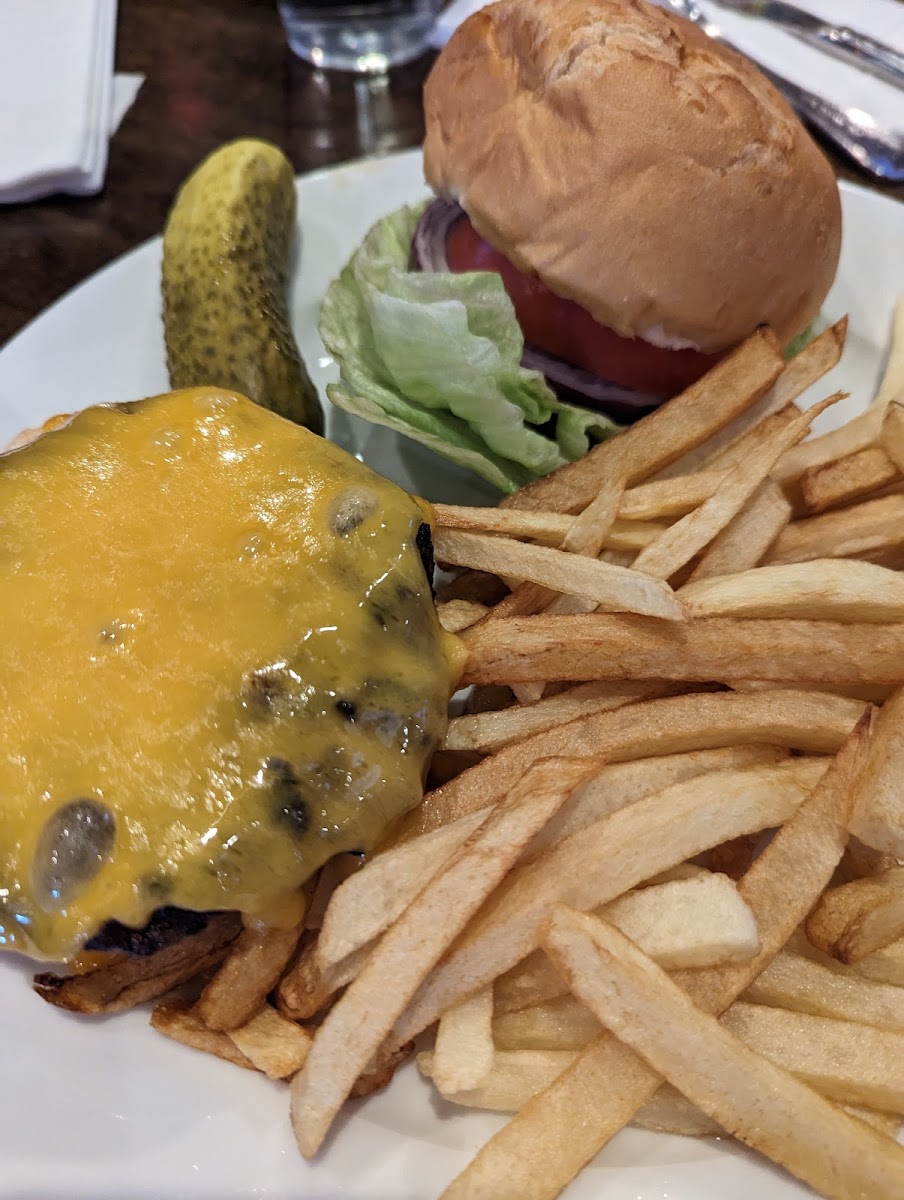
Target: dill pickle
{"points": [[226, 250]]}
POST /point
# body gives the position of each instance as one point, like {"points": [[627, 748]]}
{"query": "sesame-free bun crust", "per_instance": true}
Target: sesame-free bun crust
{"points": [[637, 167]]}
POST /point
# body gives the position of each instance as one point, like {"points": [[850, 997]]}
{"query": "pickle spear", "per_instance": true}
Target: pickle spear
{"points": [[226, 250]]}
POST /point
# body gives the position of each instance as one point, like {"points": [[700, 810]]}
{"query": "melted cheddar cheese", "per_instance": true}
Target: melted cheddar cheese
{"points": [[220, 665]]}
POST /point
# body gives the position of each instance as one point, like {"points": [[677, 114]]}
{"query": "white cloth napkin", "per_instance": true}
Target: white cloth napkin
{"points": [[59, 101], [811, 68]]}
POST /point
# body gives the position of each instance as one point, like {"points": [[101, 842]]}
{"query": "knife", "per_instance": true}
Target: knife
{"points": [[847, 44]]}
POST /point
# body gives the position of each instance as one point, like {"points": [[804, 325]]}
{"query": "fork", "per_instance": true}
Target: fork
{"points": [[877, 150]]}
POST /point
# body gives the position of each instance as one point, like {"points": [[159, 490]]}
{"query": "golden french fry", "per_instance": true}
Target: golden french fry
{"points": [[621, 646], [688, 536], [892, 385], [272, 1043], [873, 530], [557, 1133], [878, 818], [816, 722], [369, 902], [757, 1101], [589, 530], [746, 539], [695, 922], [846, 1061], [823, 590], [614, 587], [560, 1023], [357, 1024], [794, 982], [185, 1026], [730, 388], [601, 862], [858, 918], [891, 434], [488, 731], [882, 966], [847, 479], [515, 1076], [306, 990], [804, 370], [248, 973], [668, 497], [456, 615], [134, 979], [464, 1050]]}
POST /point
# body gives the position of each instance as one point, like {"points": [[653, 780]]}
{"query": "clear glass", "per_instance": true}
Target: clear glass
{"points": [[369, 35]]}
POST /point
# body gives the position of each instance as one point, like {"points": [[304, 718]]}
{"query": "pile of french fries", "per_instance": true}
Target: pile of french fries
{"points": [[657, 880]]}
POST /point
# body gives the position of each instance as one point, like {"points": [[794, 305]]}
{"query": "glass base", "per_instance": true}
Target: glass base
{"points": [[363, 37]]}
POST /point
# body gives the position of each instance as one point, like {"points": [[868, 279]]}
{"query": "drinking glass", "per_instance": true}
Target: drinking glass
{"points": [[368, 35]]}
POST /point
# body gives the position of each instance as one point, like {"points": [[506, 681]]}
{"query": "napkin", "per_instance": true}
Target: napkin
{"points": [[58, 96], [813, 69]]}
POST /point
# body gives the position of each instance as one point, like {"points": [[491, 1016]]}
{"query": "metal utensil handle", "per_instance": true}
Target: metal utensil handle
{"points": [[869, 53], [872, 148]]}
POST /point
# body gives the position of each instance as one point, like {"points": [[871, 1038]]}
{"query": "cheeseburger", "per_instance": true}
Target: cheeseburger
{"points": [[222, 666], [620, 201]]}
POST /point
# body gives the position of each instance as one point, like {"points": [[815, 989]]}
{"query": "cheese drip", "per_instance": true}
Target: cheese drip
{"points": [[220, 665]]}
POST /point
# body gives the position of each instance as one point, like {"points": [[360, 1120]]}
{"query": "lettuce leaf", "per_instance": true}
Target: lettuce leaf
{"points": [[437, 357]]}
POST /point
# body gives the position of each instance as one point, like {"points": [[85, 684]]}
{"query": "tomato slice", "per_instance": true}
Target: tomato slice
{"points": [[563, 328]]}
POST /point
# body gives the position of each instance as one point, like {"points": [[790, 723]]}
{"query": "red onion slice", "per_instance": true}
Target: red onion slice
{"points": [[573, 385]]}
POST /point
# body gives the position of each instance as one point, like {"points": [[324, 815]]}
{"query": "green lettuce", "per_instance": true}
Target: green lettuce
{"points": [[437, 357]]}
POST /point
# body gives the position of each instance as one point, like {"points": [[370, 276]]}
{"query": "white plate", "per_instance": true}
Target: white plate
{"points": [[109, 1109]]}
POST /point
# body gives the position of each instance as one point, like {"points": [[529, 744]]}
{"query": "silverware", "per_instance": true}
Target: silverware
{"points": [[858, 49], [855, 132]]}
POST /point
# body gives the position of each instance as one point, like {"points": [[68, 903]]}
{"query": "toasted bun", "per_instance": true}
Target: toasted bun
{"points": [[637, 167]]}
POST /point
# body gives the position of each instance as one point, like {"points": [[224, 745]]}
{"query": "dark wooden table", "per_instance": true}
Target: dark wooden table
{"points": [[215, 70]]}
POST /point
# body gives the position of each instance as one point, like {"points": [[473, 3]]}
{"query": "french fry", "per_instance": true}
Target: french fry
{"points": [[272, 1043], [688, 536], [515, 1076], [602, 862], [661, 438], [815, 722], [749, 1096], [489, 731], [537, 1154], [356, 1025], [456, 615], [873, 530], [589, 530], [823, 590], [846, 1061], [882, 966], [560, 1023], [794, 982], [619, 784], [847, 479], [370, 901], [618, 646], [306, 989], [804, 370], [892, 384], [878, 818], [464, 1050], [574, 574], [891, 434], [858, 918], [134, 979], [185, 1026], [746, 539], [696, 922], [248, 973], [668, 497]]}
